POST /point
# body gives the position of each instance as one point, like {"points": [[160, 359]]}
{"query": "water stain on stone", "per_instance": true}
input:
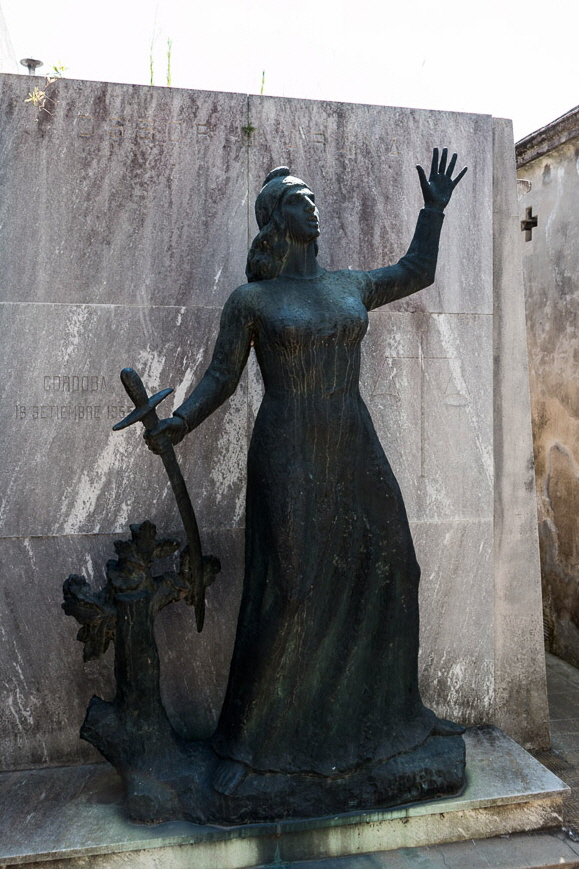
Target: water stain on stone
{"points": [[563, 494], [559, 542]]}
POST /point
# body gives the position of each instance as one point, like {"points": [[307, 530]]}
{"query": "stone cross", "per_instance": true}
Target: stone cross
{"points": [[529, 223]]}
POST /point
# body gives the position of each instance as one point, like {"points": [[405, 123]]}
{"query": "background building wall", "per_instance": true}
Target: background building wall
{"points": [[548, 169]]}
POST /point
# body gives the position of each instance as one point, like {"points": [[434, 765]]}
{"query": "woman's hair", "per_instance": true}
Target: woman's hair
{"points": [[268, 250], [269, 247]]}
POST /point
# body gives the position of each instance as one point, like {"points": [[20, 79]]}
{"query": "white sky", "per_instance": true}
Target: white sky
{"points": [[515, 60]]}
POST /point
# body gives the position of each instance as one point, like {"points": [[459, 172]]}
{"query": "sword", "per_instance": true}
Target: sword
{"points": [[145, 412]]}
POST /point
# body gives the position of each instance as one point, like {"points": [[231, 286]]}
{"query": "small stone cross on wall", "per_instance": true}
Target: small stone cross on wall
{"points": [[528, 224]]}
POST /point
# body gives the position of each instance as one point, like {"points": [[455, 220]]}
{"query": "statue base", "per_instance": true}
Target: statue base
{"points": [[82, 822], [435, 769], [168, 778]]}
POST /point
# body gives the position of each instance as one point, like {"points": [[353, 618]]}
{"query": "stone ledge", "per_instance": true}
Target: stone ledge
{"points": [[60, 817], [539, 850], [547, 138]]}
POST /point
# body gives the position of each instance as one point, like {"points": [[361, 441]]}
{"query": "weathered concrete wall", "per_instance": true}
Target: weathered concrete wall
{"points": [[125, 217], [549, 168], [519, 706]]}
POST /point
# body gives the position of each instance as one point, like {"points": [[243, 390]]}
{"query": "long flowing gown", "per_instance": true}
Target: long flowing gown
{"points": [[324, 673]]}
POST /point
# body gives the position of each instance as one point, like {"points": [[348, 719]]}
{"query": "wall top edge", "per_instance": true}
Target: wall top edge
{"points": [[260, 97], [547, 138]]}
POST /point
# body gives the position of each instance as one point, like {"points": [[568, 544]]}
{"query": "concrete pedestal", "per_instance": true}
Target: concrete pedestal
{"points": [[70, 817]]}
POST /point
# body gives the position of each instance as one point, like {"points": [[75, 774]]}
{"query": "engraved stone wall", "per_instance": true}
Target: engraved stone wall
{"points": [[125, 217]]}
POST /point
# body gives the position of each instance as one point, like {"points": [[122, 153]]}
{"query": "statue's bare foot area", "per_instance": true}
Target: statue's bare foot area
{"points": [[228, 775], [443, 727]]}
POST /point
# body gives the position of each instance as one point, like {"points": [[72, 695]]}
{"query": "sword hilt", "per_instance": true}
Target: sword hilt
{"points": [[134, 387], [144, 406]]}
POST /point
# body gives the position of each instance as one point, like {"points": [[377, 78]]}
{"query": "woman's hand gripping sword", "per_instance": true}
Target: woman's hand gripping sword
{"points": [[201, 570]]}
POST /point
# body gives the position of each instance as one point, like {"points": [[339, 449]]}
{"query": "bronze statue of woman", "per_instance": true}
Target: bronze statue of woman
{"points": [[324, 678]]}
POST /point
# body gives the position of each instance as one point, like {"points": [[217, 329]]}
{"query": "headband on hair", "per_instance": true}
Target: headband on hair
{"points": [[275, 185]]}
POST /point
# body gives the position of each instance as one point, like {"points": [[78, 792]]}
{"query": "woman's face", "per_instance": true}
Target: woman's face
{"points": [[300, 215]]}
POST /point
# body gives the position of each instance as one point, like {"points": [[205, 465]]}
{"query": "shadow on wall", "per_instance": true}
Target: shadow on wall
{"points": [[559, 542]]}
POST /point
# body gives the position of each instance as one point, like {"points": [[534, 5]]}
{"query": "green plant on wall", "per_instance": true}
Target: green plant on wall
{"points": [[152, 59], [169, 49], [58, 70], [37, 97], [40, 99]]}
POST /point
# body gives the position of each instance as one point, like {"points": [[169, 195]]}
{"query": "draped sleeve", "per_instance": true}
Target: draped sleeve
{"points": [[228, 361], [414, 271]]}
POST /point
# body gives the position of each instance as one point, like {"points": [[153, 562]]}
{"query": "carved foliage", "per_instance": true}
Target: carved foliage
{"points": [[129, 574]]}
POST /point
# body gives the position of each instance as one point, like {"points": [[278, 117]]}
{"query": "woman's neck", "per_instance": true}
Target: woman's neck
{"points": [[300, 261]]}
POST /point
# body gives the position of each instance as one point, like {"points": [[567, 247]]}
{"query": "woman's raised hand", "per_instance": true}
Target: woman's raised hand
{"points": [[438, 188], [171, 430]]}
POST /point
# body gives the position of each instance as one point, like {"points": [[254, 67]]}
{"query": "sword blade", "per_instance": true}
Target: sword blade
{"points": [[191, 530], [145, 412]]}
